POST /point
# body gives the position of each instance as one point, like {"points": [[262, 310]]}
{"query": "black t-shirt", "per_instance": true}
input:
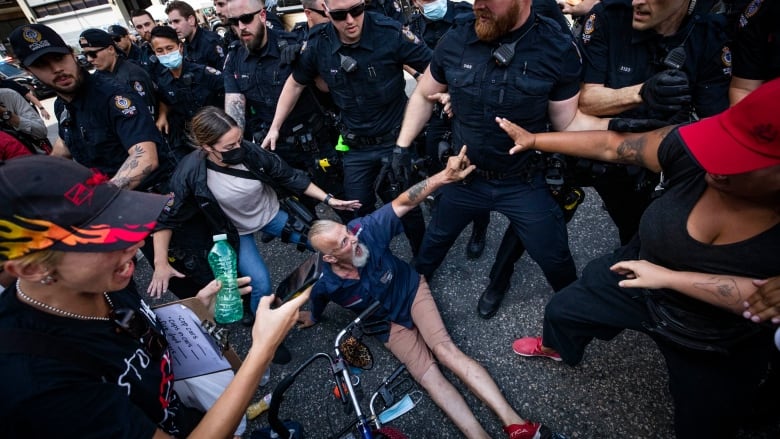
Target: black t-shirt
{"points": [[664, 234], [50, 397]]}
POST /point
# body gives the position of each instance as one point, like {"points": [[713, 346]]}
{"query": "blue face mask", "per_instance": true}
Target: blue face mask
{"points": [[396, 410], [436, 10], [171, 60]]}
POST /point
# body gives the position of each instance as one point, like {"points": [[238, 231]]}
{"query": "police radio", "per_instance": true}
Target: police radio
{"points": [[348, 64], [504, 53]]}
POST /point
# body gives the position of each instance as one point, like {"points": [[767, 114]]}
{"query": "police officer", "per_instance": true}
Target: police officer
{"points": [[100, 50], [143, 22], [430, 21], [201, 46], [389, 8], [102, 124], [122, 40], [756, 48], [315, 15], [255, 72], [505, 62], [185, 87], [674, 67], [360, 55]]}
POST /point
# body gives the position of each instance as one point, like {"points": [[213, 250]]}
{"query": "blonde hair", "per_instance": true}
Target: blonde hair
{"points": [[44, 258]]}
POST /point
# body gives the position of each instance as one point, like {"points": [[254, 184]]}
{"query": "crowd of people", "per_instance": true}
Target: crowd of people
{"points": [[665, 107]]}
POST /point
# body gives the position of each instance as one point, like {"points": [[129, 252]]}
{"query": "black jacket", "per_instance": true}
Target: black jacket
{"points": [[193, 203]]}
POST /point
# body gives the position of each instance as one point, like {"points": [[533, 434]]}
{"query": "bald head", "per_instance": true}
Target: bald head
{"points": [[323, 235]]}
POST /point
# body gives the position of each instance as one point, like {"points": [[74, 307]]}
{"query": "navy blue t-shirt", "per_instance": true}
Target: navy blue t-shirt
{"points": [[385, 277]]}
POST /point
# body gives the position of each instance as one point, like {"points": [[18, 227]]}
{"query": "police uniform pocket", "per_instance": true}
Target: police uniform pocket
{"points": [[464, 92], [528, 95]]}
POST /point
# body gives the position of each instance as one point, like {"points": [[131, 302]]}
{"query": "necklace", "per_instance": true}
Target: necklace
{"points": [[59, 311]]}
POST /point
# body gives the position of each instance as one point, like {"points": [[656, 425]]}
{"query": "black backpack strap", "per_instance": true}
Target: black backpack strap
{"points": [[21, 341], [240, 173]]}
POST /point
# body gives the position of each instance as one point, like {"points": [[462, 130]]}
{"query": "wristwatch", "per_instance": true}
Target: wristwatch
{"points": [[327, 199], [6, 115]]}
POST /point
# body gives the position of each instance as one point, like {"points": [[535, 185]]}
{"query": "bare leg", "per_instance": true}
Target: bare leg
{"points": [[447, 397]]}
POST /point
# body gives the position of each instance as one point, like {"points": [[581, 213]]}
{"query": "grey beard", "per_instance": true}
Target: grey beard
{"points": [[361, 261]]}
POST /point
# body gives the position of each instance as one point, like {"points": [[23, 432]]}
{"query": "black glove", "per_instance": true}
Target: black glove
{"points": [[625, 125], [289, 53], [667, 91], [402, 165]]}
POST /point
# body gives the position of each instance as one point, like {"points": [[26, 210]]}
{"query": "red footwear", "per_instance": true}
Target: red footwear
{"points": [[529, 430], [532, 347]]}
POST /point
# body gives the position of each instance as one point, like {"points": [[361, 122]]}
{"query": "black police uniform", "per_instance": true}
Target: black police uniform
{"points": [[205, 48], [137, 79], [757, 43], [371, 99], [389, 8], [544, 68], [196, 87], [616, 55], [134, 54], [103, 121]]}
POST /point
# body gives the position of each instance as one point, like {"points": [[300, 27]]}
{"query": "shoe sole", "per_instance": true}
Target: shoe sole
{"points": [[537, 355]]}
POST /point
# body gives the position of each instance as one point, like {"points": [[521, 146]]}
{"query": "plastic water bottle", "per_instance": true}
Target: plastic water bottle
{"points": [[256, 409], [222, 259]]}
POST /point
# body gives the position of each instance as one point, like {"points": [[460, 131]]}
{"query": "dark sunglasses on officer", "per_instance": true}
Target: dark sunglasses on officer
{"points": [[341, 14], [243, 18]]}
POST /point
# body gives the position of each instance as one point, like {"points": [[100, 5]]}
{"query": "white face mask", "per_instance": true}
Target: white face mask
{"points": [[435, 11], [171, 60]]}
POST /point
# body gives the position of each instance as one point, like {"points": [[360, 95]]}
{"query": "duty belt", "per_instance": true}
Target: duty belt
{"points": [[495, 175], [356, 141]]}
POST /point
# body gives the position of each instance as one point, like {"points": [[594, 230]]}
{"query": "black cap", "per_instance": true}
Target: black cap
{"points": [[53, 203], [95, 38], [31, 41], [116, 30]]}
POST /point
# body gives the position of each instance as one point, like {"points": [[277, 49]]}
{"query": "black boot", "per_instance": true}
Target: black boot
{"points": [[509, 252], [248, 319], [476, 243]]}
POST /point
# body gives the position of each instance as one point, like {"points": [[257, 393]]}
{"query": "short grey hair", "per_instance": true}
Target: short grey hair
{"points": [[321, 227]]}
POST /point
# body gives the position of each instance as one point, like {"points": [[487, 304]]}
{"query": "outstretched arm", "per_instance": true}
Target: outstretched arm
{"points": [[458, 167], [640, 149], [724, 291]]}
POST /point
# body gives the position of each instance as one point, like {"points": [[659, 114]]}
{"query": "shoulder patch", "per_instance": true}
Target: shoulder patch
{"points": [[725, 58], [124, 105], [139, 88], [588, 28], [410, 36], [750, 10], [220, 51]]}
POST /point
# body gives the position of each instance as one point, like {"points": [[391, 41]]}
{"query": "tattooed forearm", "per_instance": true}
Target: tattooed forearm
{"points": [[725, 290], [416, 192], [235, 105], [134, 169], [630, 150]]}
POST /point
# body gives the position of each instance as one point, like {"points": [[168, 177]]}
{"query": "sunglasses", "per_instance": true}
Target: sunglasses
{"points": [[243, 18], [116, 39], [94, 53], [136, 326], [341, 14]]}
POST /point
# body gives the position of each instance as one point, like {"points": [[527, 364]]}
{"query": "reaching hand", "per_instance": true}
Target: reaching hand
{"points": [[350, 205], [458, 167], [270, 139], [522, 138], [272, 325], [162, 124], [45, 114], [444, 100], [162, 275], [641, 274], [289, 54], [402, 166], [666, 91], [765, 302]]}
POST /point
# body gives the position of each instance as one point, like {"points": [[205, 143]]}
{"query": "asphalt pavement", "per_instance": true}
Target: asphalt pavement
{"points": [[618, 391]]}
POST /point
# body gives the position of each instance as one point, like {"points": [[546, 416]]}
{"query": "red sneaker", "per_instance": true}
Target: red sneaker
{"points": [[529, 430], [532, 347]]}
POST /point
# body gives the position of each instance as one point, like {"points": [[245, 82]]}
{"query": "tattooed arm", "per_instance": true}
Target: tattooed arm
{"points": [[458, 167], [141, 161], [723, 291], [235, 106], [639, 149]]}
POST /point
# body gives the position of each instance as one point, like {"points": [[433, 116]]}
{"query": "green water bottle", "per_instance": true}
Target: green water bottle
{"points": [[222, 259]]}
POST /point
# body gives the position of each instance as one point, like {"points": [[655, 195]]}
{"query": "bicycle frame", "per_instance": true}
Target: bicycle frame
{"points": [[341, 374]]}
